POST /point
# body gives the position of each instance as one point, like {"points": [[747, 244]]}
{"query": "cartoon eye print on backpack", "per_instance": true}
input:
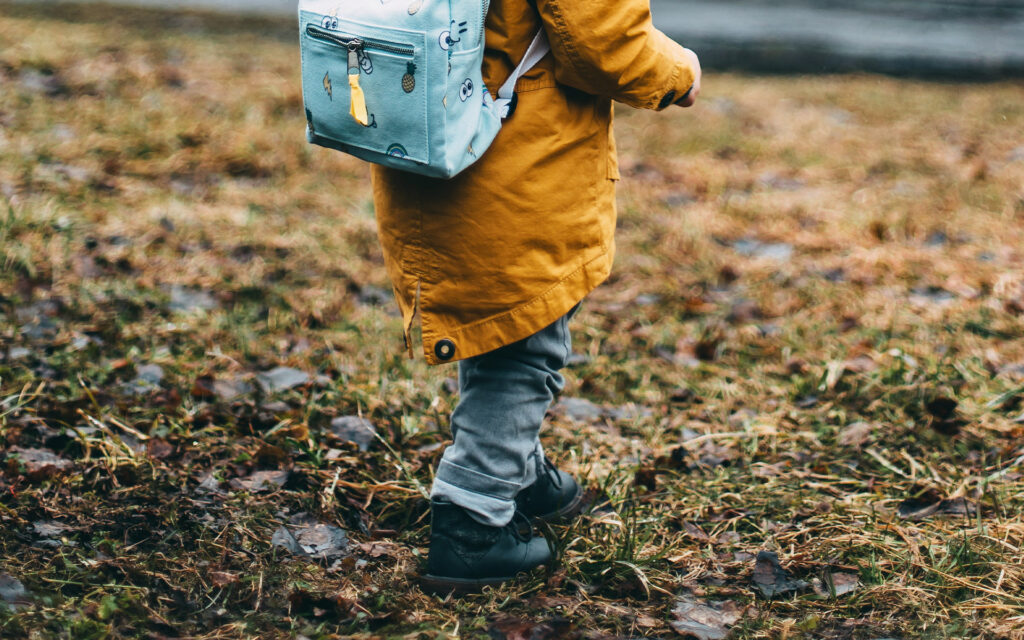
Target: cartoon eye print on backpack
{"points": [[329, 22], [466, 90], [447, 41]]}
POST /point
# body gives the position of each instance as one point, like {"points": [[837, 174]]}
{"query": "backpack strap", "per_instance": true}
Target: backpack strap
{"points": [[506, 100]]}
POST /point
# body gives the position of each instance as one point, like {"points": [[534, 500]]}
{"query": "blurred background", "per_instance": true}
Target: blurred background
{"points": [[965, 39], [812, 342]]}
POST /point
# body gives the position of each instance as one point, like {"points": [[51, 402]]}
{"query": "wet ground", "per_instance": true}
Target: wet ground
{"points": [[930, 38]]}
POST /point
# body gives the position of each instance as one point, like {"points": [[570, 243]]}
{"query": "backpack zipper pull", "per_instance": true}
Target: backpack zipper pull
{"points": [[358, 99]]}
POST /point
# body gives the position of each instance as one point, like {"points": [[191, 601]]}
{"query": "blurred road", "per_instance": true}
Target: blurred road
{"points": [[932, 38], [963, 39]]}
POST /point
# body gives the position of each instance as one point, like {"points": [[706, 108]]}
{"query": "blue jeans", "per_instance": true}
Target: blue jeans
{"points": [[504, 395]]}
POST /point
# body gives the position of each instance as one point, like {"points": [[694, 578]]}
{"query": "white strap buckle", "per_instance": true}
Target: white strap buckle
{"points": [[506, 100]]}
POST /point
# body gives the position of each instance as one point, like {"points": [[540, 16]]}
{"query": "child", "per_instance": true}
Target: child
{"points": [[496, 260]]}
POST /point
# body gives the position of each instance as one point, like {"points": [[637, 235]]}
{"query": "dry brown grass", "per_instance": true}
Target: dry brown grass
{"points": [[796, 255]]}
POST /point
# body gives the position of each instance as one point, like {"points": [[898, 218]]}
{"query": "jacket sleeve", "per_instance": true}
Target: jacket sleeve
{"points": [[611, 48]]}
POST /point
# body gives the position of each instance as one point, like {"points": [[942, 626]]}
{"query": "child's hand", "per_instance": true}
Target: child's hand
{"points": [[691, 96]]}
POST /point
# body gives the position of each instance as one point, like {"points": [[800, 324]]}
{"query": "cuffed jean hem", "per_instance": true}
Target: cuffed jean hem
{"points": [[485, 509], [491, 501]]}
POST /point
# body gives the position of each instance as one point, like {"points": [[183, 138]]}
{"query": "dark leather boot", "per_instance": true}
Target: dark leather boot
{"points": [[554, 498], [466, 556]]}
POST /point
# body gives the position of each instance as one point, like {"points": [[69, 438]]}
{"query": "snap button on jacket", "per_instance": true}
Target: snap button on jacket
{"points": [[508, 246]]}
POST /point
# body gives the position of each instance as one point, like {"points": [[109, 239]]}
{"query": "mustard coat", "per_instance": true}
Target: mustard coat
{"points": [[515, 241]]}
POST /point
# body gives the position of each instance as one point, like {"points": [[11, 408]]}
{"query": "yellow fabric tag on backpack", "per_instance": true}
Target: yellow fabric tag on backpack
{"points": [[358, 103]]}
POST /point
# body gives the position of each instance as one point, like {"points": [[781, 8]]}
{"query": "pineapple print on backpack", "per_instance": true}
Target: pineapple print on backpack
{"points": [[409, 79]]}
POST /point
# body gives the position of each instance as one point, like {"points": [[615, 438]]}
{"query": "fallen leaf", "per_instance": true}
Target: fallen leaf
{"points": [[159, 448], [765, 470], [283, 537], [354, 429], [208, 481], [49, 84], [855, 434], [513, 628], [771, 579], [303, 602], [316, 540], [551, 602], [684, 395], [929, 502], [188, 300], [373, 296], [860, 364], [230, 389], [645, 621], [258, 481], [921, 505], [579, 409], [13, 592], [378, 549], [628, 412], [272, 456], [836, 584], [958, 507], [221, 579], [50, 529], [147, 380], [323, 541], [694, 531], [678, 199], [714, 455], [703, 619], [36, 464], [281, 379], [745, 311], [151, 373], [731, 537], [778, 251], [781, 182]]}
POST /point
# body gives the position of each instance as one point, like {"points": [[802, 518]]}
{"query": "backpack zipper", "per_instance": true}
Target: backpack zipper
{"points": [[360, 43]]}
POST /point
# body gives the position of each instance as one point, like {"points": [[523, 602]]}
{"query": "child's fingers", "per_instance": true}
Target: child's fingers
{"points": [[690, 98]]}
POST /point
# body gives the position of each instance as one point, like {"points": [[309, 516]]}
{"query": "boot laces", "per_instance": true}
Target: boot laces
{"points": [[551, 471], [521, 527]]}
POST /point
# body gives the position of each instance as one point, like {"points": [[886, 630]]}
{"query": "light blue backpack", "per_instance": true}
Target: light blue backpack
{"points": [[398, 82]]}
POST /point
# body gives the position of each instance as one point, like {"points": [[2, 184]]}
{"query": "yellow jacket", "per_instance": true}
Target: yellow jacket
{"points": [[515, 241]]}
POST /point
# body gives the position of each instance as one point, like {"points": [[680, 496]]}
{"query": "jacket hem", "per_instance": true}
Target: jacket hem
{"points": [[526, 319]]}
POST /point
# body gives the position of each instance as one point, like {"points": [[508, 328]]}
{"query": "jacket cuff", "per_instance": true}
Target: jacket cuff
{"points": [[681, 86]]}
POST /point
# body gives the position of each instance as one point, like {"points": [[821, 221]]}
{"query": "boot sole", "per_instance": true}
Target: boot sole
{"points": [[440, 586]]}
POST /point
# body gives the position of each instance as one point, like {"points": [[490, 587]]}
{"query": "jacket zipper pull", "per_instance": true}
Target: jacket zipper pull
{"points": [[358, 100]]}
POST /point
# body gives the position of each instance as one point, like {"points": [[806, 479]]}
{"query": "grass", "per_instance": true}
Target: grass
{"points": [[796, 256]]}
